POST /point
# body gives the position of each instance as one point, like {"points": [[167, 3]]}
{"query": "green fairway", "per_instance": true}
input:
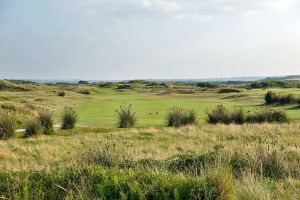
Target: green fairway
{"points": [[151, 108]]}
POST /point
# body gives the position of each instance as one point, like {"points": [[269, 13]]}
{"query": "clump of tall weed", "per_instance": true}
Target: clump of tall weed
{"points": [[7, 125], [32, 127], [181, 117], [46, 121], [69, 118], [126, 116]]}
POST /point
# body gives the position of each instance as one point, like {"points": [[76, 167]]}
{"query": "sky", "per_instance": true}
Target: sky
{"points": [[142, 39]]}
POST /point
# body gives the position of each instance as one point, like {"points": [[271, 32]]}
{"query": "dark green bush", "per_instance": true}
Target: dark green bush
{"points": [[272, 98], [7, 125], [46, 121], [32, 127], [69, 118], [124, 86], [207, 85], [126, 117], [86, 92], [181, 117], [229, 90], [61, 93]]}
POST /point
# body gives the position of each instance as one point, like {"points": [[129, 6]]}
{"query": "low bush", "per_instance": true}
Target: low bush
{"points": [[181, 117], [221, 115], [61, 93], [229, 90], [273, 98], [46, 121], [86, 92], [7, 125], [124, 86], [207, 85], [126, 117], [267, 116], [32, 127], [69, 118]]}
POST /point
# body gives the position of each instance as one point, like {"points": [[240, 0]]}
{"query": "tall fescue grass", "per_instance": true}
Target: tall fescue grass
{"points": [[69, 118], [46, 120], [240, 116], [126, 116], [7, 125], [180, 117], [32, 127], [273, 98], [104, 183]]}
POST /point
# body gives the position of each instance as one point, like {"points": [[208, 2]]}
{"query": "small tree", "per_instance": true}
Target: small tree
{"points": [[126, 116], [69, 118]]}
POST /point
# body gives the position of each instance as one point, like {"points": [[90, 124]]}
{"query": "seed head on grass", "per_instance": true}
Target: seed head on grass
{"points": [[7, 125], [69, 118], [126, 116]]}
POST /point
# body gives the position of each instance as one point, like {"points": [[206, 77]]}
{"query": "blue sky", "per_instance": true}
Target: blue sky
{"points": [[133, 39]]}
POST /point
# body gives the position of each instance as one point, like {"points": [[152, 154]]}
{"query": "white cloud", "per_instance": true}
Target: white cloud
{"points": [[250, 12], [280, 4], [195, 10], [194, 17], [162, 5]]}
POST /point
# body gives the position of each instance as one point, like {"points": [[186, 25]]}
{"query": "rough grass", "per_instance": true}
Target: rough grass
{"points": [[180, 153]]}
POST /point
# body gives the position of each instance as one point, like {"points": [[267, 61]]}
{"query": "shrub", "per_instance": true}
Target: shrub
{"points": [[61, 93], [272, 98], [126, 117], [221, 115], [207, 85], [32, 127], [86, 92], [181, 117], [83, 82], [46, 121], [105, 85], [124, 86], [267, 115], [69, 118], [7, 125], [229, 90]]}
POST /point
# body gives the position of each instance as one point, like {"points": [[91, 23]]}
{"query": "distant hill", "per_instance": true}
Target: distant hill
{"points": [[283, 78]]}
